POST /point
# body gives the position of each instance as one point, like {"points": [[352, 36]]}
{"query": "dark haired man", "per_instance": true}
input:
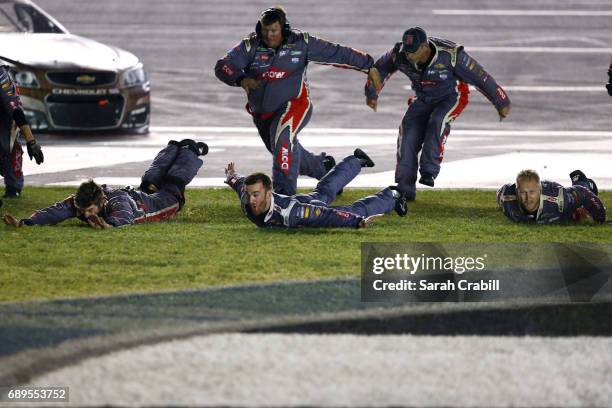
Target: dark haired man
{"points": [[12, 123], [266, 208], [547, 202], [161, 195], [270, 65], [439, 71]]}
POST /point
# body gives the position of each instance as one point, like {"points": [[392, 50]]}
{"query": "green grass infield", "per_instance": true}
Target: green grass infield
{"points": [[211, 243]]}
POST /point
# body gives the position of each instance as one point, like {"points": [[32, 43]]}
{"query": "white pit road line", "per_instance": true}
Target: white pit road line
{"points": [[536, 13], [515, 150]]}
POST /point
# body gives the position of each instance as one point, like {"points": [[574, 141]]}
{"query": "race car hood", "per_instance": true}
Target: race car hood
{"points": [[60, 51]]}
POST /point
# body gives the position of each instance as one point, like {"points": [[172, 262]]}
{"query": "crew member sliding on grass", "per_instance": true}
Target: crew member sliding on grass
{"points": [[161, 195], [547, 202], [268, 209]]}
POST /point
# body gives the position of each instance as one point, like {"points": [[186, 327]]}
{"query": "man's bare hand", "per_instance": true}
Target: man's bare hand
{"points": [[249, 84], [372, 103], [230, 170], [11, 221], [97, 222], [374, 78], [366, 222], [503, 113]]}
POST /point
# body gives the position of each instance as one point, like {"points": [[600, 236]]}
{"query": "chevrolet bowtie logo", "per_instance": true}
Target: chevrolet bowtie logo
{"points": [[86, 79]]}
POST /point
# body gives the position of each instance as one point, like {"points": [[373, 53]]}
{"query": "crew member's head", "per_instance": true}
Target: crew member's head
{"points": [[529, 188], [415, 45], [273, 26], [89, 199], [259, 190]]}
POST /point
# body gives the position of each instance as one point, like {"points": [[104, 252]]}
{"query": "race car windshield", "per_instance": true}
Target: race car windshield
{"points": [[23, 18]]}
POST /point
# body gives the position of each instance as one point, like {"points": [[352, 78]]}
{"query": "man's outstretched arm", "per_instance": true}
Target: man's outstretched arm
{"points": [[234, 180], [54, 214], [470, 71]]}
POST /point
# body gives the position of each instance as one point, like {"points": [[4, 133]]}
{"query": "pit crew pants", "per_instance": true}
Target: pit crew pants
{"points": [[343, 173], [279, 132], [172, 169], [425, 126]]}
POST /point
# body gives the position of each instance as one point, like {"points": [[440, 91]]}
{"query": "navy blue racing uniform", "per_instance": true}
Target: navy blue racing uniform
{"points": [[281, 105], [313, 210], [441, 95], [11, 153], [558, 204], [171, 171]]}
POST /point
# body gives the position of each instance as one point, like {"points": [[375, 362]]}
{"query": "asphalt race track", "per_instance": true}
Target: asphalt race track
{"points": [[553, 67], [214, 347]]}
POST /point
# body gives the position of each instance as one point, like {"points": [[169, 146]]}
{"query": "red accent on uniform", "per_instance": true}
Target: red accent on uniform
{"points": [[284, 159], [274, 74], [442, 143], [298, 108], [227, 70], [343, 214], [103, 102], [160, 216], [17, 160], [580, 214], [464, 90], [341, 66]]}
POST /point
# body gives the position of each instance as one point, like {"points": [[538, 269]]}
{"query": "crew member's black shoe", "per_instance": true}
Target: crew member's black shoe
{"points": [[148, 188], [401, 207], [199, 148], [11, 192], [365, 159], [202, 148], [187, 142], [328, 162], [594, 188], [427, 179], [578, 175]]}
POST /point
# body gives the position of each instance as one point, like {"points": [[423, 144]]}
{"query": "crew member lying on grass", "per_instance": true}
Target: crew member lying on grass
{"points": [[547, 202], [268, 209], [161, 194]]}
